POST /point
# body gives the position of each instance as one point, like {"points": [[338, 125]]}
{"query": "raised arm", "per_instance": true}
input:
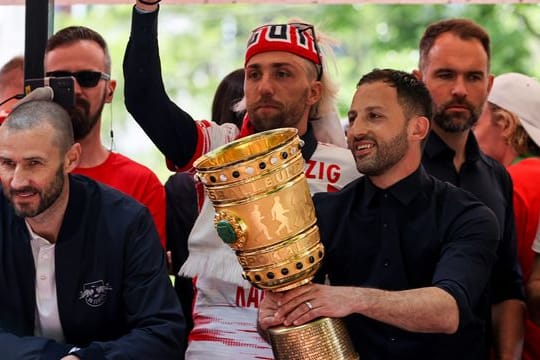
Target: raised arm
{"points": [[172, 130]]}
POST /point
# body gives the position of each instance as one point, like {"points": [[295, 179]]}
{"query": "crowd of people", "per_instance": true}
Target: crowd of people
{"points": [[428, 207]]}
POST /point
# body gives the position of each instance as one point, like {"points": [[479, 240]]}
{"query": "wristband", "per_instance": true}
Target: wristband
{"points": [[149, 2]]}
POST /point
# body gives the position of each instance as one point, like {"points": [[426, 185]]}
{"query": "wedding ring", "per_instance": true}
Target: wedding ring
{"points": [[308, 304]]}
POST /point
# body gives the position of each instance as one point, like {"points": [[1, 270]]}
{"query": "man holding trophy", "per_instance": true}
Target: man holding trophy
{"points": [[286, 85], [407, 256]]}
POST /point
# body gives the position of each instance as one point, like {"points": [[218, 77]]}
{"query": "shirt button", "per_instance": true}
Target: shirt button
{"points": [[386, 263], [43, 277], [385, 196], [392, 339], [385, 226]]}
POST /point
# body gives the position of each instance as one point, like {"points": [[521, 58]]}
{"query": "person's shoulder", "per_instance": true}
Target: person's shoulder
{"points": [[495, 166], [103, 196], [458, 201], [525, 166], [125, 166], [336, 159], [337, 197], [447, 189]]}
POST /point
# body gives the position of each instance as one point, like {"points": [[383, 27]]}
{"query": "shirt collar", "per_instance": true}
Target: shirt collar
{"points": [[436, 147], [404, 191]]}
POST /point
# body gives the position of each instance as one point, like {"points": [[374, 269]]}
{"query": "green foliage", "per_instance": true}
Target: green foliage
{"points": [[201, 43]]}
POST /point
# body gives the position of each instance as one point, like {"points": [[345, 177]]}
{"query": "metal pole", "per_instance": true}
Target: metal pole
{"points": [[39, 21]]}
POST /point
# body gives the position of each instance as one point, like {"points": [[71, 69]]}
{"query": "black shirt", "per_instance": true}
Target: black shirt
{"points": [[420, 232], [489, 181]]}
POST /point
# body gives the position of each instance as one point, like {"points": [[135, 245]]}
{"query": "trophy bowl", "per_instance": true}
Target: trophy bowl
{"points": [[265, 213]]}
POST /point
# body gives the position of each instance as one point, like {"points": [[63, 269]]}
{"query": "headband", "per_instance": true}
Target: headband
{"points": [[296, 38]]}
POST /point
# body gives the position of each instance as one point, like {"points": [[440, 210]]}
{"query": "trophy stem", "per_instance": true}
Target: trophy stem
{"points": [[323, 338]]}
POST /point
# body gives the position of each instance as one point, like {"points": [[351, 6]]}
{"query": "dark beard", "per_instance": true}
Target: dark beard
{"points": [[454, 123], [83, 122], [388, 154], [47, 198]]}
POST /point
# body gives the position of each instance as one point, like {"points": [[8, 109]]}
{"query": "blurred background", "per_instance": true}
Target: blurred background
{"points": [[201, 43]]}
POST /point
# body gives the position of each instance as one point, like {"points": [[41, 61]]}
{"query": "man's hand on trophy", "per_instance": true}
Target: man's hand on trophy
{"points": [[305, 303], [267, 311]]}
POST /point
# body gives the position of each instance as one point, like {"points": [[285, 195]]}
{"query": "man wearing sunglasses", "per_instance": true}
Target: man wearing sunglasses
{"points": [[286, 85], [82, 53]]}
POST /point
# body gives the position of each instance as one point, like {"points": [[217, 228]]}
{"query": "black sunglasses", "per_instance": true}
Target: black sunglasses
{"points": [[86, 78], [303, 27]]}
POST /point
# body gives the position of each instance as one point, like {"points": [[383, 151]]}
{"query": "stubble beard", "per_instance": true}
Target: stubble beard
{"points": [[284, 117], [387, 155], [46, 198]]}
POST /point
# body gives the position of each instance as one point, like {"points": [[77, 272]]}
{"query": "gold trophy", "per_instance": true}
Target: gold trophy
{"points": [[264, 212]]}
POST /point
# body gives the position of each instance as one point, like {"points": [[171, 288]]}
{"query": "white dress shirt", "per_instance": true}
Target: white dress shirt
{"points": [[47, 322]]}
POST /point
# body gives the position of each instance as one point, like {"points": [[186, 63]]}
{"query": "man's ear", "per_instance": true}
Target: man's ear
{"points": [[507, 123], [419, 128], [111, 85], [315, 92], [417, 74], [72, 158], [490, 82]]}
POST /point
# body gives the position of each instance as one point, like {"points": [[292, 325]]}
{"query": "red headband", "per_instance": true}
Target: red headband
{"points": [[292, 38]]}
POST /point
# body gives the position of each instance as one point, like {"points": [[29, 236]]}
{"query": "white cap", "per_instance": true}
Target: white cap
{"points": [[519, 94]]}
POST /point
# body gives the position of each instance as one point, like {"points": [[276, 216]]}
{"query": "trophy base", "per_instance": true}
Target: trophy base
{"points": [[323, 338]]}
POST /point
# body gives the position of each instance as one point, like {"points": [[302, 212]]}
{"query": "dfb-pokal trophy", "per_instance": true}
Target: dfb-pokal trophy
{"points": [[265, 213]]}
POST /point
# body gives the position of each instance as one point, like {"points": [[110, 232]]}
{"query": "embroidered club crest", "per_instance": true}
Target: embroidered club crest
{"points": [[95, 293]]}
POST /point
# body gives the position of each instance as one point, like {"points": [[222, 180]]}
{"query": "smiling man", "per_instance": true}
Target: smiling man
{"points": [[83, 273], [407, 256]]}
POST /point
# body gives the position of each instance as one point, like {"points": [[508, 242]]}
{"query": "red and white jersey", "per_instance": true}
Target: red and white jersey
{"points": [[225, 306]]}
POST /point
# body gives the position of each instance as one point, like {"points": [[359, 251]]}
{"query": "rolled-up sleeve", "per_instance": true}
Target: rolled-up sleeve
{"points": [[467, 257]]}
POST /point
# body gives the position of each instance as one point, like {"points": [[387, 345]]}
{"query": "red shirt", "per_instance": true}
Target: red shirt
{"points": [[525, 175], [133, 179]]}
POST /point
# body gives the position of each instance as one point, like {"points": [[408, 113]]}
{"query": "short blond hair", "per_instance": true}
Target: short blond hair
{"points": [[519, 140]]}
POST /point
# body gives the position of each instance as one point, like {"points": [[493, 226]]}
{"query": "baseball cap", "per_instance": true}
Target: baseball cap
{"points": [[519, 94]]}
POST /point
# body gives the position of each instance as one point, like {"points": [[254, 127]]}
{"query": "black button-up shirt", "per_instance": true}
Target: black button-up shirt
{"points": [[489, 181], [420, 232]]}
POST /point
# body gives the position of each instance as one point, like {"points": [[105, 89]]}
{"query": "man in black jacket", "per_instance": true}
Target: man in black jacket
{"points": [[82, 273]]}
